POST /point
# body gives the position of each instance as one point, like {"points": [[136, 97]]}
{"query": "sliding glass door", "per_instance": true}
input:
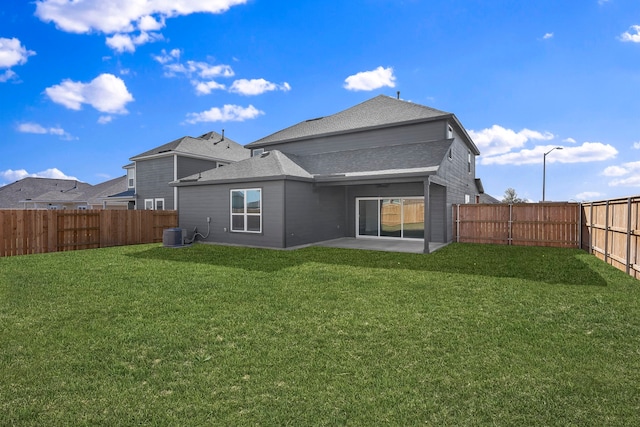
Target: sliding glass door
{"points": [[390, 217]]}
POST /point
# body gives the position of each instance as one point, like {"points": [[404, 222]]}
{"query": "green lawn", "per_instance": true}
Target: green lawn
{"points": [[209, 335]]}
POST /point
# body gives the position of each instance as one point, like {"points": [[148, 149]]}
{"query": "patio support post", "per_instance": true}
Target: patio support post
{"points": [[427, 216]]}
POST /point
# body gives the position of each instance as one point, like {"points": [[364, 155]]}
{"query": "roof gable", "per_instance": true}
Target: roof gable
{"points": [[376, 112], [210, 145]]}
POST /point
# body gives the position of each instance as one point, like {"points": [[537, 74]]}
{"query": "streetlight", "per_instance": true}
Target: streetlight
{"points": [[544, 168]]}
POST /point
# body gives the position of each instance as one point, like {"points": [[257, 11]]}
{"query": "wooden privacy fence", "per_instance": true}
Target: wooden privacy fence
{"points": [[611, 231], [37, 231], [526, 224]]}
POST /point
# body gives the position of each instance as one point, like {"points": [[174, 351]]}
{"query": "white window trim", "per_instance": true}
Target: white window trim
{"points": [[155, 204], [131, 178], [244, 214], [145, 204]]}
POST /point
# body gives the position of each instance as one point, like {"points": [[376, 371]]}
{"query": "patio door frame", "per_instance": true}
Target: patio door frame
{"points": [[379, 200]]}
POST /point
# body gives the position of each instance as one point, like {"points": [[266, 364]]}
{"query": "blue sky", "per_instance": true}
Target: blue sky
{"points": [[87, 84]]}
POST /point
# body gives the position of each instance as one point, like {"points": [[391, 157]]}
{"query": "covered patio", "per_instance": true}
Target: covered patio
{"points": [[416, 246]]}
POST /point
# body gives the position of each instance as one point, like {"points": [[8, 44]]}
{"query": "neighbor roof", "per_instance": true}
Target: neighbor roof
{"points": [[30, 188], [379, 111], [211, 145]]}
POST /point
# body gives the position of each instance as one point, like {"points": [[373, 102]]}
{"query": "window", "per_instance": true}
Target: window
{"points": [[246, 210], [159, 204], [467, 199], [469, 162], [257, 152], [148, 204], [449, 132], [131, 174]]}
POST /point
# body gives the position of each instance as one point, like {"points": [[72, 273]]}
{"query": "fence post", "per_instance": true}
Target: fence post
{"points": [[510, 227], [591, 229], [606, 232], [458, 224], [628, 258]]}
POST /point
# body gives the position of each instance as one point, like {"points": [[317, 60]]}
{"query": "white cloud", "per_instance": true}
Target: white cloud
{"points": [[498, 140], [569, 140], [256, 86], [200, 69], [166, 57], [588, 195], [228, 113], [106, 93], [587, 152], [122, 16], [103, 120], [614, 171], [149, 23], [12, 53], [632, 35], [630, 171], [636, 145], [371, 80], [7, 75], [547, 36], [36, 128], [16, 175], [126, 43], [205, 88]]}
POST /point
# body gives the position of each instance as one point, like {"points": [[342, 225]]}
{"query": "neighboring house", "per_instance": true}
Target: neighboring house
{"points": [[383, 169], [149, 175], [47, 193]]}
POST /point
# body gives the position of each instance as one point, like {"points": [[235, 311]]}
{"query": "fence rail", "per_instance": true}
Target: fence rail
{"points": [[38, 231], [611, 231], [527, 224]]}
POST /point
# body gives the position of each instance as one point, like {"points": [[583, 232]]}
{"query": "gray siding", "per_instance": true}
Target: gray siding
{"points": [[313, 214], [189, 166], [152, 181], [438, 214], [459, 180], [419, 132], [201, 201]]}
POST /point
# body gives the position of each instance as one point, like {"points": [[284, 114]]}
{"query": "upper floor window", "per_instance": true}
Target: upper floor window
{"points": [[246, 210], [449, 132], [131, 175], [469, 162], [257, 152]]}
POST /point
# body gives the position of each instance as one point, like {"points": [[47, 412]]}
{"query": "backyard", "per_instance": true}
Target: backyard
{"points": [[213, 335]]}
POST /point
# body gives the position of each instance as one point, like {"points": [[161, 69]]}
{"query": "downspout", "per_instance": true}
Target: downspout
{"points": [[175, 178]]}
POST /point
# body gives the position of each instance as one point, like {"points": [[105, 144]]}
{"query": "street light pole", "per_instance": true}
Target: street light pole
{"points": [[544, 168]]}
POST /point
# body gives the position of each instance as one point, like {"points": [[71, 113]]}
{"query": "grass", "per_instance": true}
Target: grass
{"points": [[210, 335]]}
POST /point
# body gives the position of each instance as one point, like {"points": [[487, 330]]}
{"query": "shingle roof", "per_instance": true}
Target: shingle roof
{"points": [[393, 157], [28, 188], [379, 111], [398, 159], [208, 145], [270, 165]]}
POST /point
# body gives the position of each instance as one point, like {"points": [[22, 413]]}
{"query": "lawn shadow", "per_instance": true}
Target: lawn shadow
{"points": [[547, 265]]}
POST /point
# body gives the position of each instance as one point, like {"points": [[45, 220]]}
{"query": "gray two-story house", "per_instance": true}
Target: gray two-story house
{"points": [[383, 169], [149, 173]]}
